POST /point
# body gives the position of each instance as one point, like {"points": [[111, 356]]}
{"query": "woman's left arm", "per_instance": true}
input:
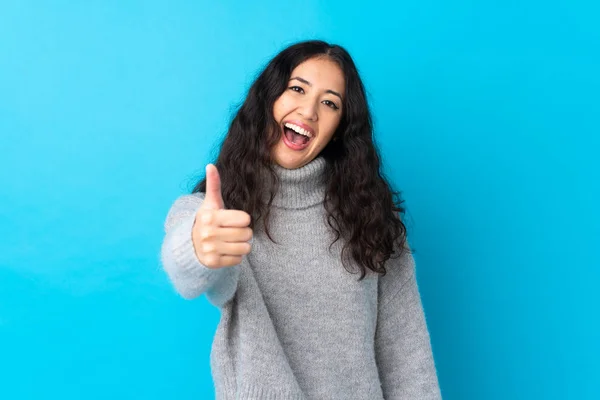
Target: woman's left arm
{"points": [[402, 342]]}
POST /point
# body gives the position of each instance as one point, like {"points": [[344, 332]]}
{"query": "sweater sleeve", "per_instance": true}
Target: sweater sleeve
{"points": [[190, 277], [402, 342]]}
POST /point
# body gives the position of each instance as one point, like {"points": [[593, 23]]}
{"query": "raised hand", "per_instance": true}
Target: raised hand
{"points": [[220, 236]]}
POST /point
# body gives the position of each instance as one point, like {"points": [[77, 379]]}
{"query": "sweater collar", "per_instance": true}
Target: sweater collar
{"points": [[301, 187]]}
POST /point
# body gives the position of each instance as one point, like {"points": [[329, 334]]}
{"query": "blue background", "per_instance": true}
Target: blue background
{"points": [[487, 115]]}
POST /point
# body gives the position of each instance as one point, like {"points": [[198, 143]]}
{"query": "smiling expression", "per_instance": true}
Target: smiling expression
{"points": [[313, 102]]}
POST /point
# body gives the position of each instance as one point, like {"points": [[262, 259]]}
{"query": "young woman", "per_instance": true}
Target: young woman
{"points": [[291, 235]]}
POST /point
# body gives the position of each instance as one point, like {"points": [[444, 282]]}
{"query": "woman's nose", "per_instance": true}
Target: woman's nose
{"points": [[309, 110]]}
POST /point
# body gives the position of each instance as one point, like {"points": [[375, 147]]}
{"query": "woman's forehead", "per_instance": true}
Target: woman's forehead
{"points": [[320, 73]]}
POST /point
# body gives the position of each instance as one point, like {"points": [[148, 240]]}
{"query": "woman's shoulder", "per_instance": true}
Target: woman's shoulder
{"points": [[399, 271]]}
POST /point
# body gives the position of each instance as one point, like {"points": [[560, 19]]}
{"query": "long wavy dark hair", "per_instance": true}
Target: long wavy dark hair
{"points": [[368, 217]]}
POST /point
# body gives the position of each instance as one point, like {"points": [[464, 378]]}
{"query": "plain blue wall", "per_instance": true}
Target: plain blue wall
{"points": [[487, 117]]}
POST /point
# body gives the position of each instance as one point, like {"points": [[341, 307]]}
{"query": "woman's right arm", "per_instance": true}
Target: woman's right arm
{"points": [[188, 275]]}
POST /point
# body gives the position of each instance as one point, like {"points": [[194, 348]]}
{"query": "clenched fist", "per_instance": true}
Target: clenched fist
{"points": [[220, 236]]}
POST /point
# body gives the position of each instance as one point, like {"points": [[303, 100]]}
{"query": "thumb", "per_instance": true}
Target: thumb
{"points": [[213, 199]]}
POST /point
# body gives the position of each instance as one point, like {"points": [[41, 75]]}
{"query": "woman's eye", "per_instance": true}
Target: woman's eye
{"points": [[297, 89], [331, 104]]}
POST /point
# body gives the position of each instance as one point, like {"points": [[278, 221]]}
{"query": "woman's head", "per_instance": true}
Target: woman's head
{"points": [[315, 86], [314, 83], [308, 111]]}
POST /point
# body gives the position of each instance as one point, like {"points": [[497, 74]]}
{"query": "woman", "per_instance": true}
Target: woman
{"points": [[275, 235]]}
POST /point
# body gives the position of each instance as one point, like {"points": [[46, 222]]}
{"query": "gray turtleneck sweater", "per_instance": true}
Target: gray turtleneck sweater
{"points": [[295, 324]]}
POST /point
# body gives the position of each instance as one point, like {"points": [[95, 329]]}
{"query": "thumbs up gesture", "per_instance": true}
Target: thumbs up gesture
{"points": [[220, 236]]}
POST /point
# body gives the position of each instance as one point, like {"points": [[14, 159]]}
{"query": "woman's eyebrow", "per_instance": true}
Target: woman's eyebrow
{"points": [[309, 84]]}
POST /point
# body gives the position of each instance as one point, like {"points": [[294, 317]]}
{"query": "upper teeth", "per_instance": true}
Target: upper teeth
{"points": [[298, 129]]}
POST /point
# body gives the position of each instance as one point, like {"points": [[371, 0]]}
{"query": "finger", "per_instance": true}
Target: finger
{"points": [[230, 261], [234, 234], [234, 249], [213, 198], [223, 218], [232, 218]]}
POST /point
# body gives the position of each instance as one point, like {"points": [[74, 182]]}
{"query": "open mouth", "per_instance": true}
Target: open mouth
{"points": [[295, 137], [296, 134]]}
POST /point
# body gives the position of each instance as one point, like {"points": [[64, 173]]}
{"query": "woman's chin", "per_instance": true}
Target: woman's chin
{"points": [[290, 159]]}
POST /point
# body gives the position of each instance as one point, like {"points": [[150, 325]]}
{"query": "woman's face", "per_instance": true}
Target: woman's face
{"points": [[311, 104]]}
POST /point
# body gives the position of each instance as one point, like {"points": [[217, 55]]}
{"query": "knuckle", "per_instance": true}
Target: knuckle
{"points": [[207, 217], [208, 248], [207, 234], [212, 261]]}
